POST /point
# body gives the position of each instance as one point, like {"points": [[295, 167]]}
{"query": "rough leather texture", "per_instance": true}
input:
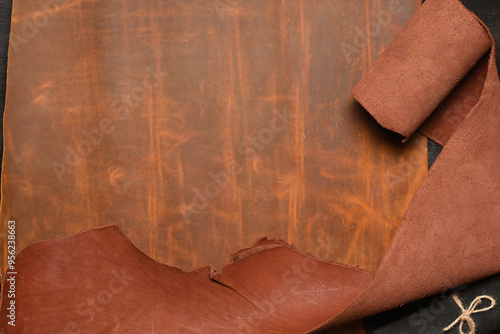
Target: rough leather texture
{"points": [[401, 96], [170, 100], [109, 286], [448, 236]]}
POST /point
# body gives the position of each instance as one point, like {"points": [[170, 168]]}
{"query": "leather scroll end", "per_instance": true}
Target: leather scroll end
{"points": [[423, 64]]}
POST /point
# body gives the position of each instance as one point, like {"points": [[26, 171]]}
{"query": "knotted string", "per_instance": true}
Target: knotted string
{"points": [[466, 314]]}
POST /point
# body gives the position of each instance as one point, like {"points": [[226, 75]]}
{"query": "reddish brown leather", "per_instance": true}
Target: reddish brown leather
{"points": [[448, 236], [98, 282]]}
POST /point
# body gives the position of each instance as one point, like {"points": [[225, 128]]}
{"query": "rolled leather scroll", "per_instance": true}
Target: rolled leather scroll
{"points": [[99, 282]]}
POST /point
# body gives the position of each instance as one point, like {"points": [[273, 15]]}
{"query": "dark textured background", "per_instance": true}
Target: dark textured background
{"points": [[5, 10], [431, 315]]}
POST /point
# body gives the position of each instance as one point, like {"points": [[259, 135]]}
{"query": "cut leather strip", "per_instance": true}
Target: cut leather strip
{"points": [[448, 236], [99, 282]]}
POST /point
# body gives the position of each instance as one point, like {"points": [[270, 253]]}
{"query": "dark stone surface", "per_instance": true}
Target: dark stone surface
{"points": [[432, 315], [5, 10]]}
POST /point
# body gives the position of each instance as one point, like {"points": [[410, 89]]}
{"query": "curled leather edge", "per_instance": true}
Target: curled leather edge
{"points": [[455, 206]]}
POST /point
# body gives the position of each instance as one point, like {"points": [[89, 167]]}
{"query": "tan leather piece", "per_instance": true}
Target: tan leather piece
{"points": [[190, 86], [448, 236]]}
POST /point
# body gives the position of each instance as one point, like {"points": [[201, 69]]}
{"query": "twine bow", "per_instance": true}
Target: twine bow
{"points": [[466, 314]]}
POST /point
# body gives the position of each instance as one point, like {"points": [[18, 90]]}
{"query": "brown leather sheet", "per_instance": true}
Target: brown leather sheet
{"points": [[99, 281], [201, 126]]}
